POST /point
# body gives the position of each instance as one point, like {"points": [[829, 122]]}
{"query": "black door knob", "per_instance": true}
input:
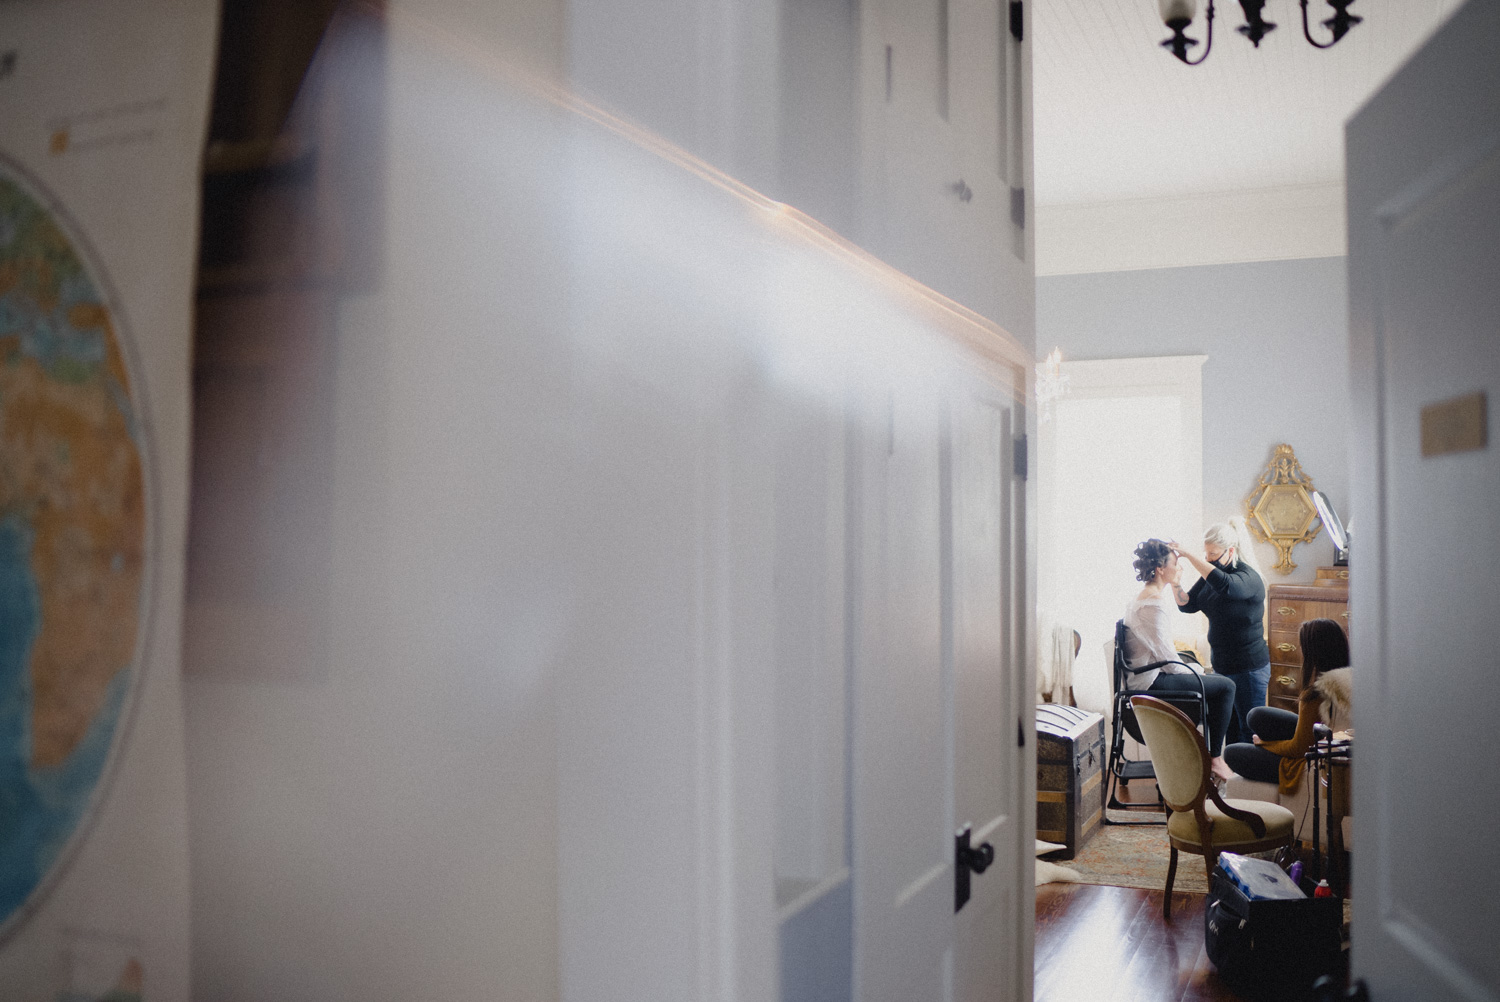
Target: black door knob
{"points": [[967, 860]]}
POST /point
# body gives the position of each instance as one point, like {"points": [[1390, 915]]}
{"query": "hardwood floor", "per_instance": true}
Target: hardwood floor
{"points": [[1141, 791], [1110, 944]]}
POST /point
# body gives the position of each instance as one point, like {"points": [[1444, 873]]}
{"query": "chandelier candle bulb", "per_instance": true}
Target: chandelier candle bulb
{"points": [[1051, 383], [1178, 10]]}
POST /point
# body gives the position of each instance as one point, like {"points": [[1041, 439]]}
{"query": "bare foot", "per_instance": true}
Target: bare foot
{"points": [[1220, 770]]}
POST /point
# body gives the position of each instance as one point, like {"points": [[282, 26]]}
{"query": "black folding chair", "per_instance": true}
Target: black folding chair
{"points": [[1122, 769]]}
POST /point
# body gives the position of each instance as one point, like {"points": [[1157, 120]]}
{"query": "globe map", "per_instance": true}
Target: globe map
{"points": [[72, 541]]}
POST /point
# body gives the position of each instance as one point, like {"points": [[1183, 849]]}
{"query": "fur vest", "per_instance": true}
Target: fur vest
{"points": [[1332, 697], [1335, 691]]}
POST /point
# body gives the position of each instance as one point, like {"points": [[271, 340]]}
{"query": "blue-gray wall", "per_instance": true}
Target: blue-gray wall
{"points": [[1276, 334], [817, 950]]}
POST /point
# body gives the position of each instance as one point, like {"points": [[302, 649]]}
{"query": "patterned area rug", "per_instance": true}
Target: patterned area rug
{"points": [[1136, 856]]}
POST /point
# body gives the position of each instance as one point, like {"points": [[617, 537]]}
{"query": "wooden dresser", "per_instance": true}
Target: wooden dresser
{"points": [[1290, 606]]}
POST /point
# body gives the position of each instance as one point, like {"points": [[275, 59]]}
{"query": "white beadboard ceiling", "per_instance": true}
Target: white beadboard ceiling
{"points": [[1118, 118]]}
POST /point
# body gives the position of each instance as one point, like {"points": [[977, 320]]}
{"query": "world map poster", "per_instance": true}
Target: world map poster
{"points": [[102, 110], [72, 539]]}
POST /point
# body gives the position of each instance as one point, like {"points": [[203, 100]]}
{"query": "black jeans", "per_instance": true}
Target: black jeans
{"points": [[1217, 689], [1254, 762]]}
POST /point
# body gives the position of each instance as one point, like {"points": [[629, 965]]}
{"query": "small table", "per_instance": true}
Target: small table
{"points": [[1328, 750]]}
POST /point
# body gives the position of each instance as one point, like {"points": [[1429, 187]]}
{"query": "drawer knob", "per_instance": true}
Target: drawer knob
{"points": [[1285, 680], [1286, 610], [1344, 614], [1286, 647], [1343, 575]]}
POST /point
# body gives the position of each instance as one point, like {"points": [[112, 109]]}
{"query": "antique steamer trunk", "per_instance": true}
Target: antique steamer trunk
{"points": [[1069, 775]]}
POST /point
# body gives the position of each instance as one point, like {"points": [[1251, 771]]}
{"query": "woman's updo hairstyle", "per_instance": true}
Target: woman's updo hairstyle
{"points": [[1233, 533], [1150, 555]]}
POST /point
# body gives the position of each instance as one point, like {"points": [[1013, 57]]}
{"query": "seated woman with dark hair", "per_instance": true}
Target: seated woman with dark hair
{"points": [[1149, 618], [1281, 738]]}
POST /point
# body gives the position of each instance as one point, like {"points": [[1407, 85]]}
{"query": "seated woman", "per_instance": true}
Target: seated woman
{"points": [[1280, 737], [1149, 618]]}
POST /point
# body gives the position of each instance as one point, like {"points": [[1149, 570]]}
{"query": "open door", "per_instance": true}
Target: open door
{"points": [[938, 667], [1424, 254], [987, 543], [903, 778]]}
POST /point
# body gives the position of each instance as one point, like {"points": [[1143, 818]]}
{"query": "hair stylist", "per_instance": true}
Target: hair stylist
{"points": [[1232, 595]]}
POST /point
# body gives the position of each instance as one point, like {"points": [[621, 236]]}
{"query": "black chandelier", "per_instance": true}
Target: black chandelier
{"points": [[1178, 15]]}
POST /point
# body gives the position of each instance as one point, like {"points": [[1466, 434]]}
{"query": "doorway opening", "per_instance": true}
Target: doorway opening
{"points": [[1120, 461]]}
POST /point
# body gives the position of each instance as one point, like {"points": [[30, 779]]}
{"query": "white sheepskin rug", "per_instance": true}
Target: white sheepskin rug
{"points": [[1053, 873]]}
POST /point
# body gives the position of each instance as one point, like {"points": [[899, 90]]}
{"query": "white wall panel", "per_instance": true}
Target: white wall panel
{"points": [[533, 754]]}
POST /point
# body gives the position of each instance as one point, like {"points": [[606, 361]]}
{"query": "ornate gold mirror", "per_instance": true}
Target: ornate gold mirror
{"points": [[1280, 509]]}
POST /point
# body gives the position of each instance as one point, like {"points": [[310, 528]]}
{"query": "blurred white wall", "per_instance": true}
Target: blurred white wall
{"points": [[375, 816], [530, 754]]}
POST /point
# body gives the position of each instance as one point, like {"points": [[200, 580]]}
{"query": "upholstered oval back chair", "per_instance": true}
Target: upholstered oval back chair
{"points": [[1199, 821]]}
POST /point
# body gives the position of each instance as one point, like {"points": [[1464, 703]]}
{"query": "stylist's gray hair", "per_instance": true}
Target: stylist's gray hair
{"points": [[1235, 533]]}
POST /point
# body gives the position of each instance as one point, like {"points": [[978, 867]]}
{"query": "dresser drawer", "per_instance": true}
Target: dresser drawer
{"points": [[1336, 611], [1284, 683], [1334, 574], [1285, 650], [1286, 615]]}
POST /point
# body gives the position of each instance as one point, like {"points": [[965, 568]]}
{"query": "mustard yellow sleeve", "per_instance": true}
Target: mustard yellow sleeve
{"points": [[1302, 739]]}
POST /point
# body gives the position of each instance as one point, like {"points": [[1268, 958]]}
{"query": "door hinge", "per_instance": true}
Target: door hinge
{"points": [[1020, 456], [1018, 207], [1020, 733], [1017, 30]]}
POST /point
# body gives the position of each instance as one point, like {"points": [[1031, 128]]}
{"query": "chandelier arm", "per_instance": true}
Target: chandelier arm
{"points": [[1208, 45], [1307, 32]]}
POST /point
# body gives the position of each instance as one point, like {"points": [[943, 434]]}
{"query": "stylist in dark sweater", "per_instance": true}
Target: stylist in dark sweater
{"points": [[1233, 597]]}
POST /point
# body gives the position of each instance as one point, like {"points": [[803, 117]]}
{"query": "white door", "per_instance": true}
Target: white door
{"points": [[935, 694], [987, 116], [946, 150], [1424, 256], [903, 800], [986, 549], [913, 203]]}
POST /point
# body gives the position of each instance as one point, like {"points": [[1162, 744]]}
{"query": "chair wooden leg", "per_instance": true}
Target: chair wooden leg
{"points": [[1166, 897], [1209, 859]]}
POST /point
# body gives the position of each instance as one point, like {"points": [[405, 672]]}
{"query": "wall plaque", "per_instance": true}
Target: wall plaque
{"points": [[1457, 425]]}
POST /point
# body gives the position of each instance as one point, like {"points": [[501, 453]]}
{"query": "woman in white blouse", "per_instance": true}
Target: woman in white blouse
{"points": [[1149, 619]]}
